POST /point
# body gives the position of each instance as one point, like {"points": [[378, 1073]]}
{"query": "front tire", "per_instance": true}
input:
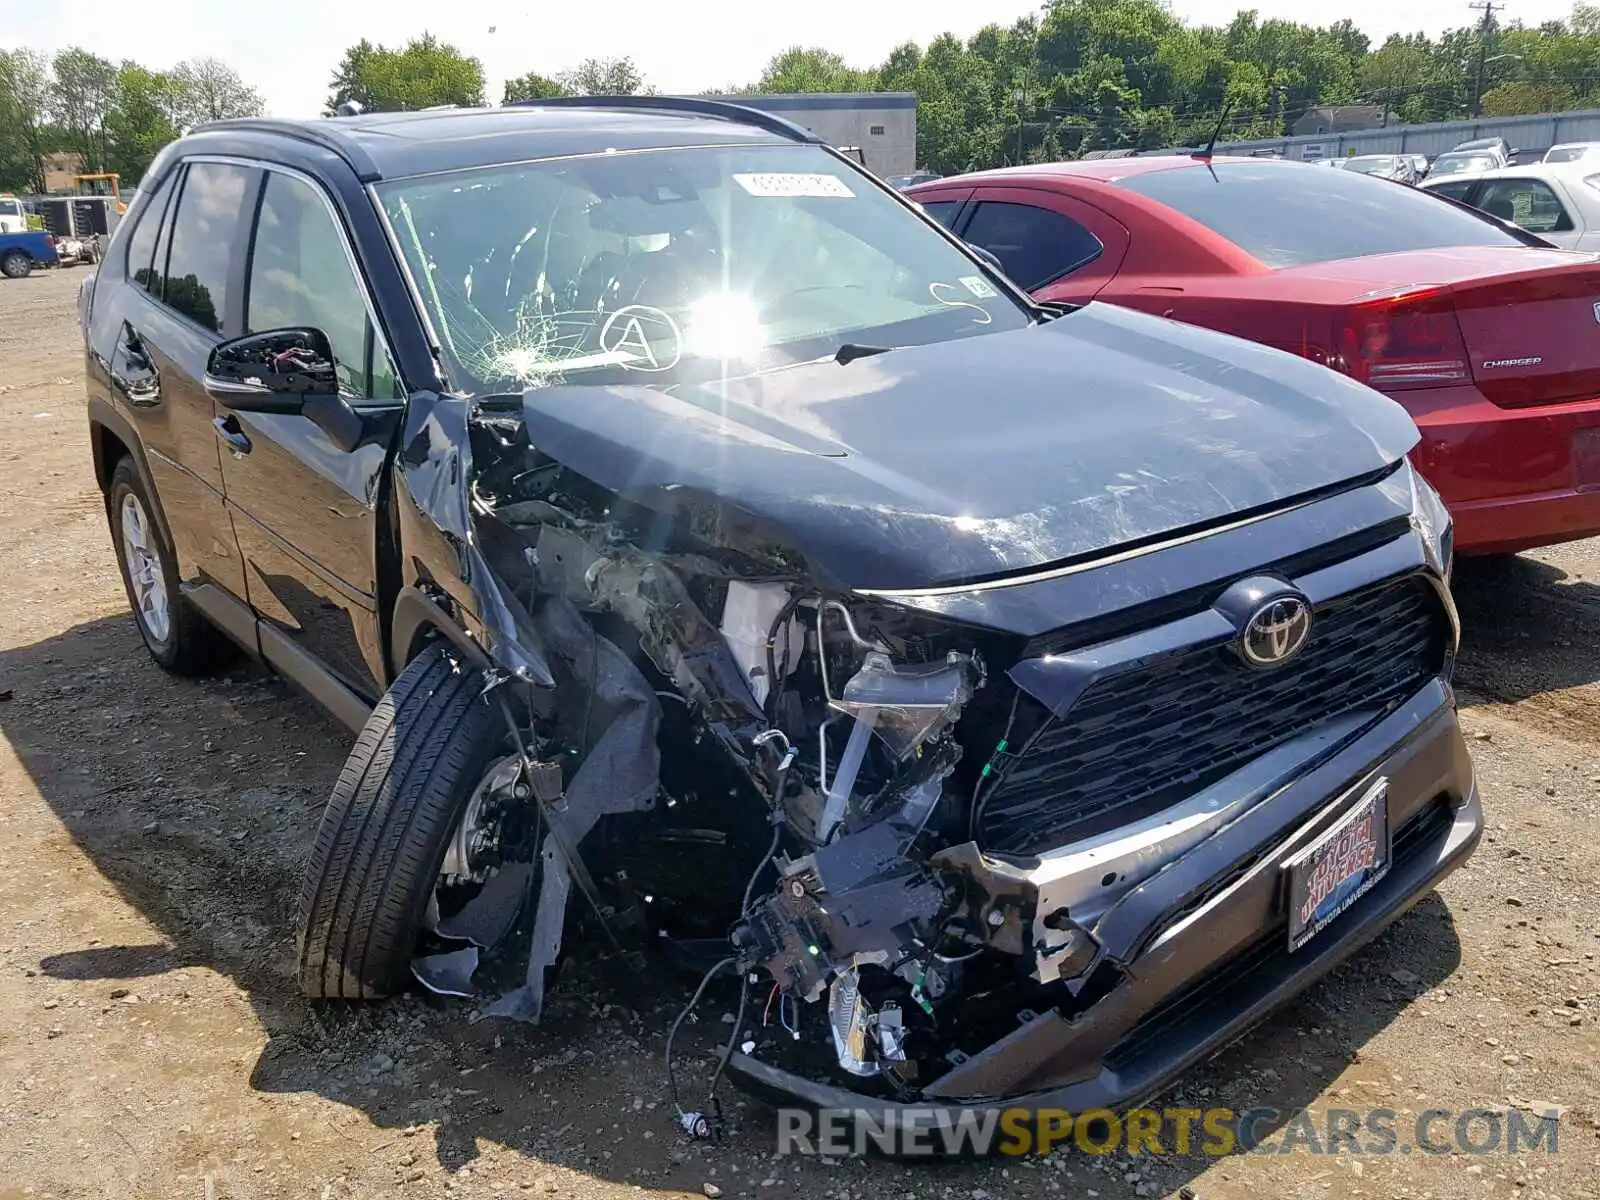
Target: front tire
{"points": [[388, 823], [177, 636], [16, 265]]}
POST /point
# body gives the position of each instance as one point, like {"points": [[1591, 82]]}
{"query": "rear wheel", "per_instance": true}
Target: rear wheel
{"points": [[392, 817], [177, 636], [16, 265]]}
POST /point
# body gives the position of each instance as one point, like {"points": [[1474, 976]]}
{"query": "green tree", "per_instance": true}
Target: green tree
{"points": [[142, 118], [531, 86], [81, 94], [24, 109], [605, 77], [810, 69], [424, 73], [210, 90]]}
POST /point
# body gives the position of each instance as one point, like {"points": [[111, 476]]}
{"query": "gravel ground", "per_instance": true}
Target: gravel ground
{"points": [[152, 1043]]}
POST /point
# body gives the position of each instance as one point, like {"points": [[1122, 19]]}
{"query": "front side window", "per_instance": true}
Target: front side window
{"points": [[300, 276], [1035, 245], [1456, 189], [1285, 216], [661, 266], [209, 223], [943, 211], [1530, 204]]}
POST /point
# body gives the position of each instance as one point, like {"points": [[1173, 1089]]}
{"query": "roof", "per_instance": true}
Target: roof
{"points": [[1108, 170], [1576, 171], [784, 102], [1346, 110], [393, 145]]}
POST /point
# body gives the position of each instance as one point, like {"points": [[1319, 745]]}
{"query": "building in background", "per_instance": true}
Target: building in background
{"points": [[1338, 118], [883, 125], [61, 171]]}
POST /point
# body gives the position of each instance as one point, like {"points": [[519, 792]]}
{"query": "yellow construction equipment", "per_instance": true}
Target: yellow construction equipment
{"points": [[113, 188]]}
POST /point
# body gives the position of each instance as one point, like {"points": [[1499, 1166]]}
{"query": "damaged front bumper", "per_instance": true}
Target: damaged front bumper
{"points": [[1033, 837], [1203, 943]]}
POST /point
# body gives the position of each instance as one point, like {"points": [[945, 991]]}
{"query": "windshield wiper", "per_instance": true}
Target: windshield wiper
{"points": [[851, 351]]}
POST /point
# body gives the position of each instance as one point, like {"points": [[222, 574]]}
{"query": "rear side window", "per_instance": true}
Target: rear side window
{"points": [[943, 211], [1530, 204], [210, 222], [1287, 216], [1035, 245], [142, 243]]}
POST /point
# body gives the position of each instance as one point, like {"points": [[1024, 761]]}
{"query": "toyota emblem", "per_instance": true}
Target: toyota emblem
{"points": [[1275, 632]]}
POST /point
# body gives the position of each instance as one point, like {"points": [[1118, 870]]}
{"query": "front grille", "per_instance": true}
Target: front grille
{"points": [[1143, 738]]}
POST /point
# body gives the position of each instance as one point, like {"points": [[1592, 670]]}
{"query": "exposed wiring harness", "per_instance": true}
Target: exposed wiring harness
{"points": [[695, 1123]]}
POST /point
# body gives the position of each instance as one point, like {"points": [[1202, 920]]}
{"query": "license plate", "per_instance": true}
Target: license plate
{"points": [[1340, 867]]}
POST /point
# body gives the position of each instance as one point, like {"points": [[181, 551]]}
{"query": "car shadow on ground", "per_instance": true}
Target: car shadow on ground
{"points": [[198, 800], [1528, 634]]}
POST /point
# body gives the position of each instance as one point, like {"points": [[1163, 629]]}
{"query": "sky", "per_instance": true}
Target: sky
{"points": [[287, 49]]}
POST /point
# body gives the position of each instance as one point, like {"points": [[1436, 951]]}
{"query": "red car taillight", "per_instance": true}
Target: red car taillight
{"points": [[1403, 343]]}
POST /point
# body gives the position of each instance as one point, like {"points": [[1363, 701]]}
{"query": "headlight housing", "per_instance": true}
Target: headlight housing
{"points": [[1431, 519]]}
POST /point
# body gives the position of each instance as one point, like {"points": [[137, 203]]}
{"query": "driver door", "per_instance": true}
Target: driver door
{"points": [[304, 508]]}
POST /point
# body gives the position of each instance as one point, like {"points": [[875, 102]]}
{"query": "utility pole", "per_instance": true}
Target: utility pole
{"points": [[1488, 8]]}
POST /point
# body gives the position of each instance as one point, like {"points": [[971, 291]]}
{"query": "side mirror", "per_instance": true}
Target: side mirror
{"points": [[988, 256], [272, 372]]}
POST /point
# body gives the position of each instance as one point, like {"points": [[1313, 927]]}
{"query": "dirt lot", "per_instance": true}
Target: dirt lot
{"points": [[152, 1043]]}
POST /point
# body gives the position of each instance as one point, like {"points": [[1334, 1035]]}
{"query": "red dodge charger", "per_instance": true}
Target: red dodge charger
{"points": [[1488, 337]]}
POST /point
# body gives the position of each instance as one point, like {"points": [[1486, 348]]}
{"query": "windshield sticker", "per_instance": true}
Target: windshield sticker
{"points": [[944, 293], [642, 338], [979, 287], [788, 184]]}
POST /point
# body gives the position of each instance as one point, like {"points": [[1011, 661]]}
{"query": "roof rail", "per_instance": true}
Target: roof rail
{"points": [[318, 134], [687, 105]]}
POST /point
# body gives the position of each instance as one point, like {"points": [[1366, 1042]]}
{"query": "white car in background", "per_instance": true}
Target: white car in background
{"points": [[1573, 152], [1559, 202]]}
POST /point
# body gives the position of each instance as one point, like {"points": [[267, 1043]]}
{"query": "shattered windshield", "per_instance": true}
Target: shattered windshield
{"points": [[657, 267]]}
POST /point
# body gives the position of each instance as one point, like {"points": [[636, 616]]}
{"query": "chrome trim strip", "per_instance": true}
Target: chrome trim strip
{"points": [[960, 589]]}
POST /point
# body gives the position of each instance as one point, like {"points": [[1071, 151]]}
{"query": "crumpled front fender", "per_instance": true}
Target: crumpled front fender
{"points": [[440, 555]]}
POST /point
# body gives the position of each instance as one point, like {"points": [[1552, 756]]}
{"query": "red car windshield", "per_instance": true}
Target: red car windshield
{"points": [[1287, 216]]}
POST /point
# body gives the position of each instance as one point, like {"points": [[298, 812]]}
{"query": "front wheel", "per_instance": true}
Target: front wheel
{"points": [[16, 265], [390, 821]]}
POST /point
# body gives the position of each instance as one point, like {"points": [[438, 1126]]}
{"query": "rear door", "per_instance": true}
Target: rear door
{"points": [[305, 508], [151, 342], [1052, 245]]}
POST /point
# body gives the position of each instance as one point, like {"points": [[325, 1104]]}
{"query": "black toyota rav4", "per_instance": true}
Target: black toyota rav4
{"points": [[720, 561]]}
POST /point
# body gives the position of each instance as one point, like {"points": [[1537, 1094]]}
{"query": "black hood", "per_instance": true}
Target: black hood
{"points": [[988, 455]]}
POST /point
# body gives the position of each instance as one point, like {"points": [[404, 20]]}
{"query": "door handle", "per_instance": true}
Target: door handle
{"points": [[228, 430], [134, 372]]}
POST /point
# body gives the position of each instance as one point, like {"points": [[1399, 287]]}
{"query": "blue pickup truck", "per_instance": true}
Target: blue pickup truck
{"points": [[20, 253]]}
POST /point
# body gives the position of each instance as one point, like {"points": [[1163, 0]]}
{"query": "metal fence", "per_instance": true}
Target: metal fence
{"points": [[1520, 133]]}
